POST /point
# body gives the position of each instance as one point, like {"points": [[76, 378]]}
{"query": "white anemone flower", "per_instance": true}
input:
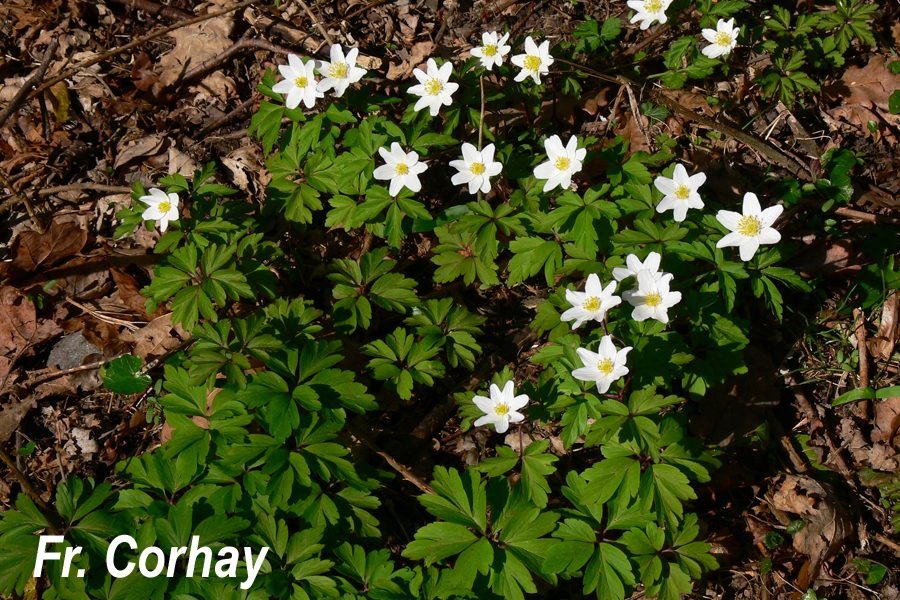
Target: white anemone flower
{"points": [[562, 163], [501, 408], [535, 62], [434, 87], [299, 82], [679, 192], [592, 303], [476, 168], [750, 229], [604, 367], [648, 11], [161, 207], [652, 298], [401, 168], [340, 72], [633, 266], [722, 39], [492, 50]]}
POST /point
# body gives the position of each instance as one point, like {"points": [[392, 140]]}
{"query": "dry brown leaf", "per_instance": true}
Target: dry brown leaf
{"points": [[193, 46], [84, 277], [32, 249], [882, 344], [11, 415], [19, 325], [156, 338], [827, 522], [147, 146], [887, 420], [864, 93]]}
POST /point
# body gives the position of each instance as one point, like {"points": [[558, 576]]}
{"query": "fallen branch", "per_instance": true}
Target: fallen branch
{"points": [[22, 95]]}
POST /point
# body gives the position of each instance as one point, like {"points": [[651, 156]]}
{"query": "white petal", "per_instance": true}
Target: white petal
{"points": [[607, 348], [751, 204], [732, 239], [769, 236], [728, 219], [748, 248], [665, 185], [554, 147], [485, 420], [770, 215]]}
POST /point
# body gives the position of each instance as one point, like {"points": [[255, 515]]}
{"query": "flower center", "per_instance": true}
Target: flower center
{"points": [[652, 6], [501, 409], [749, 226], [489, 50], [532, 63], [652, 299], [562, 163], [605, 366], [477, 168], [434, 87], [401, 169], [338, 70], [165, 206], [592, 304], [300, 82], [682, 192], [723, 39]]}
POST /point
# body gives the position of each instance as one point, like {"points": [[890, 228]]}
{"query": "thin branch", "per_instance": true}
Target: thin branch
{"points": [[18, 197], [75, 187], [317, 23], [406, 473], [20, 97], [152, 36], [29, 489]]}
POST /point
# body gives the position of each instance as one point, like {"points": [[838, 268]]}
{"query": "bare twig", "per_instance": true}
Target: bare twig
{"points": [[75, 187], [57, 374], [861, 409], [243, 43], [317, 23], [154, 8], [20, 97], [810, 413], [29, 489], [19, 197], [406, 473], [142, 40]]}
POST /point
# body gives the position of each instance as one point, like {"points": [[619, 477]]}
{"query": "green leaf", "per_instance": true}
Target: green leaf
{"points": [[123, 375], [437, 541]]}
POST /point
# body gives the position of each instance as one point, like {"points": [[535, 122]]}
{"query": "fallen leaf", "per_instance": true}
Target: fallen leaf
{"points": [[887, 420], [147, 146], [19, 325], [11, 415], [156, 338], [827, 521], [84, 277], [32, 249], [193, 46], [882, 344]]}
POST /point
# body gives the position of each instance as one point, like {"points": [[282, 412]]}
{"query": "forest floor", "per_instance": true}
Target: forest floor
{"points": [[69, 297]]}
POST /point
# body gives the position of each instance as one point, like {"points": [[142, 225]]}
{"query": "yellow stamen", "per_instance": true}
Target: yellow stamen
{"points": [[749, 226], [501, 409], [652, 6], [300, 82], [605, 366], [165, 206], [477, 168], [652, 299], [532, 63], [682, 192], [338, 70], [562, 163], [401, 169], [723, 39], [489, 50], [434, 87], [592, 304]]}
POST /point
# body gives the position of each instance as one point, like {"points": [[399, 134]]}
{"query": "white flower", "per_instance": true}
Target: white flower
{"points": [[680, 192], [722, 39], [501, 408], [434, 87], [592, 303], [649, 11], [752, 228], [299, 83], [400, 168], [161, 207], [604, 367], [476, 168], [492, 49], [635, 266], [652, 298], [562, 164], [535, 62], [340, 72]]}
